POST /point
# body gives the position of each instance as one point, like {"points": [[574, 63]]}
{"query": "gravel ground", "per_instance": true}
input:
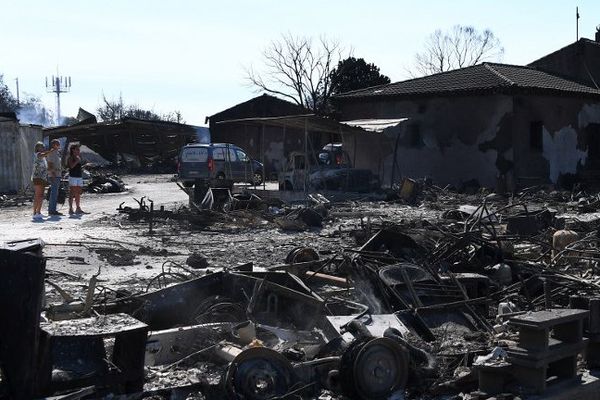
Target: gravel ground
{"points": [[127, 255]]}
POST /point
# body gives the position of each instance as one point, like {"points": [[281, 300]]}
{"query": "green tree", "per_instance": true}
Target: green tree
{"points": [[8, 103], [114, 110], [353, 74]]}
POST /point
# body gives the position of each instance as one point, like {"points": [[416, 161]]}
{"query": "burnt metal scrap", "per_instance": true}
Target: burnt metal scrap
{"points": [[105, 183], [494, 295]]}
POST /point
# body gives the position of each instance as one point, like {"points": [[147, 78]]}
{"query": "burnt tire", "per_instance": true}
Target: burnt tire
{"points": [[257, 178]]}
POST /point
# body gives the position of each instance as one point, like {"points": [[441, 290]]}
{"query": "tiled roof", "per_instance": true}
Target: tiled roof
{"points": [[481, 78], [572, 49], [264, 105]]}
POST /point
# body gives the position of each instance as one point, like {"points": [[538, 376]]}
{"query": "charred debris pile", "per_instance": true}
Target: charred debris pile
{"points": [[493, 296]]}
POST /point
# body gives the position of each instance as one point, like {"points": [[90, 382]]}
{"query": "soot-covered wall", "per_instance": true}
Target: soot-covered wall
{"points": [[488, 138]]}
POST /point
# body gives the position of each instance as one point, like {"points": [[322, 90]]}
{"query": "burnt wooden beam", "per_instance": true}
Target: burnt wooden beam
{"points": [[21, 294]]}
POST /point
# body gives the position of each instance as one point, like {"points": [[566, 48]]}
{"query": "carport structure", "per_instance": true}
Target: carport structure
{"points": [[307, 124]]}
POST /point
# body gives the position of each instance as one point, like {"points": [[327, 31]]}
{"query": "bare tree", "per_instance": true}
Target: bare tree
{"points": [[460, 47], [298, 70]]}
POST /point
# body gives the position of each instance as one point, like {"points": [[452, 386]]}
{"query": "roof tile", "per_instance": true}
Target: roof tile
{"points": [[485, 77]]}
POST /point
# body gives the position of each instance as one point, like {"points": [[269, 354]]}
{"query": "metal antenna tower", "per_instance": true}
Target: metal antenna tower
{"points": [[58, 85]]}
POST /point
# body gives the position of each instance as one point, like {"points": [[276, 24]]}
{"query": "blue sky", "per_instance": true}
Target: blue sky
{"points": [[190, 55]]}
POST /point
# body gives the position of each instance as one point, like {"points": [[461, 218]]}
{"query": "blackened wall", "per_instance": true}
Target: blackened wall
{"points": [[579, 61], [487, 138], [452, 140], [565, 137]]}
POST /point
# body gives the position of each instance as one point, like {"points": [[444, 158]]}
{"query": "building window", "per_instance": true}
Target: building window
{"points": [[536, 136], [414, 136]]}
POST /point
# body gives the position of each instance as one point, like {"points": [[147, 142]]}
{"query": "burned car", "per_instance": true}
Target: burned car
{"points": [[329, 169]]}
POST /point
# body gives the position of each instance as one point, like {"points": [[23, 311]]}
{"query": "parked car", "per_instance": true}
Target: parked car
{"points": [[331, 169], [217, 161]]}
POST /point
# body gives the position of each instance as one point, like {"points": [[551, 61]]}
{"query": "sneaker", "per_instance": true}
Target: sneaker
{"points": [[55, 213], [38, 216], [80, 211], [71, 212]]}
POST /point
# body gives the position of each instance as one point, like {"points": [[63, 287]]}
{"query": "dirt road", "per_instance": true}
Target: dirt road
{"points": [[16, 223], [128, 255], [61, 234]]}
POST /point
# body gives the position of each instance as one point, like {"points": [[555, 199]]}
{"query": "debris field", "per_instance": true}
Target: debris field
{"points": [[416, 292]]}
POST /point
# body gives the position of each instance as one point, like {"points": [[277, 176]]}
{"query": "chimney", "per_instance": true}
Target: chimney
{"points": [[598, 34]]}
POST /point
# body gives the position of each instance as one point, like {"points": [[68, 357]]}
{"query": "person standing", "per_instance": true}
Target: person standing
{"points": [[75, 165], [54, 176], [39, 178]]}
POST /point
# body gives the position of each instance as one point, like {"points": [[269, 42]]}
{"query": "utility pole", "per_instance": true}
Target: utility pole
{"points": [[576, 24], [18, 101], [58, 85]]}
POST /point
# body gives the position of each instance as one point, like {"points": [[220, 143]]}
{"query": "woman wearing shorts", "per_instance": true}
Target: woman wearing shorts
{"points": [[74, 164], [39, 178]]}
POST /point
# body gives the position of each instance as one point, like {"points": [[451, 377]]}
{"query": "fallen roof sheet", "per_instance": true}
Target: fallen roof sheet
{"points": [[375, 125]]}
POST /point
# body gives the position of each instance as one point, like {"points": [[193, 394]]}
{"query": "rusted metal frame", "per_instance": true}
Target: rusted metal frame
{"points": [[454, 304], [189, 356], [462, 241], [472, 312], [552, 293], [480, 211], [374, 255], [571, 279], [571, 248], [411, 290], [163, 275], [316, 300], [468, 220]]}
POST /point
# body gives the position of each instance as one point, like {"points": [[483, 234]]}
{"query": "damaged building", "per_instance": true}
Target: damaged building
{"points": [[495, 125], [253, 125], [131, 141]]}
